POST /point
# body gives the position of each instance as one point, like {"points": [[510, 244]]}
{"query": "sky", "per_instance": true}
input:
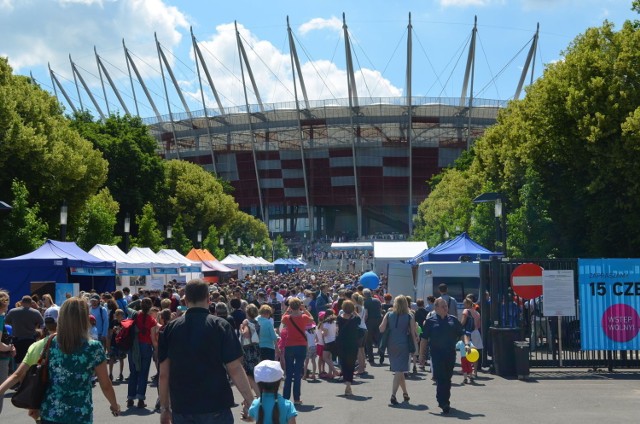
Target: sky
{"points": [[35, 33]]}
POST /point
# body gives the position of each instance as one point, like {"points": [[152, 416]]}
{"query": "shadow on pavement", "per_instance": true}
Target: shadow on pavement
{"points": [[456, 413]]}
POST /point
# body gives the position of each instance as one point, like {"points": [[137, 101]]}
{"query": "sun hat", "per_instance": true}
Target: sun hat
{"points": [[268, 372]]}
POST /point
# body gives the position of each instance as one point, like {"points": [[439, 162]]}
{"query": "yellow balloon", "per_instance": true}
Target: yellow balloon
{"points": [[473, 355]]}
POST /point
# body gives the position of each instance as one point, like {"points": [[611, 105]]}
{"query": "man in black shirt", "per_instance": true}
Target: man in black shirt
{"points": [[193, 353], [442, 331], [374, 318]]}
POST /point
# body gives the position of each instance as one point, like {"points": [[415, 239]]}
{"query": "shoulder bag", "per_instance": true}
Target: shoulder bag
{"points": [[31, 392]]}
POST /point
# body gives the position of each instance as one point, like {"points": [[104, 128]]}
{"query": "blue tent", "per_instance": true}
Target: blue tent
{"points": [[451, 250], [284, 265], [57, 262]]}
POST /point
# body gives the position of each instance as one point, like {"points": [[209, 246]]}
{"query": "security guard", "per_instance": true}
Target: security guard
{"points": [[442, 331]]}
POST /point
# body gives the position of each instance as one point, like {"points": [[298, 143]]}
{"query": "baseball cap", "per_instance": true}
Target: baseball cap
{"points": [[268, 372], [50, 320], [95, 297]]}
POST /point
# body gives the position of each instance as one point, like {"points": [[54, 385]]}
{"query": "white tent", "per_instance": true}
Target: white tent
{"points": [[187, 264], [161, 266], [124, 264], [385, 252]]}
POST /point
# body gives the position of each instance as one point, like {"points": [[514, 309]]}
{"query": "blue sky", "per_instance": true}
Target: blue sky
{"points": [[36, 32]]}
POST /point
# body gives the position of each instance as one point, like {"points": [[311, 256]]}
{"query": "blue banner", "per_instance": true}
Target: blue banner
{"points": [[609, 291]]}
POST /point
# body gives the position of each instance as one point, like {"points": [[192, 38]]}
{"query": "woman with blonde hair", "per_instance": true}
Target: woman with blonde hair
{"points": [[73, 360], [402, 331]]}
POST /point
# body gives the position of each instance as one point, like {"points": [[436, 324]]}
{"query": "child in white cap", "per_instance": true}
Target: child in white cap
{"points": [[271, 407]]}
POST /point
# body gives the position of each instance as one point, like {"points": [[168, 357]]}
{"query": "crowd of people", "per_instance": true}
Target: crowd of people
{"points": [[253, 333]]}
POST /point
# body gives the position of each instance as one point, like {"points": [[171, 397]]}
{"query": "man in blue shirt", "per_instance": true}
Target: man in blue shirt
{"points": [[102, 318], [442, 331]]}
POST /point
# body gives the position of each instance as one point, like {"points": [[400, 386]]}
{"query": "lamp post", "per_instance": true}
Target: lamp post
{"points": [[263, 250], [63, 221], [499, 214], [239, 242], [252, 245], [169, 235], [199, 239], [127, 230]]}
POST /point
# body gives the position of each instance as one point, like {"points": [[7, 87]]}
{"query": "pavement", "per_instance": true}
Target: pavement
{"points": [[548, 396]]}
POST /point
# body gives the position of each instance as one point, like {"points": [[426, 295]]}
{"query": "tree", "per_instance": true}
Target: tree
{"points": [[280, 249], [97, 221], [196, 195], [179, 240], [24, 231], [39, 148], [565, 157], [149, 234], [212, 243], [135, 169]]}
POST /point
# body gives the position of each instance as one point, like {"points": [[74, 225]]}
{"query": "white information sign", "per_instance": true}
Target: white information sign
{"points": [[558, 293]]}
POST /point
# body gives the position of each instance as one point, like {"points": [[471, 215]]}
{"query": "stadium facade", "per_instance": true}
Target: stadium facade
{"points": [[347, 168]]}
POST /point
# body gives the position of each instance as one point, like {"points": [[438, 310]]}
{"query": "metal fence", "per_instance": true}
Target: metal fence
{"points": [[553, 341]]}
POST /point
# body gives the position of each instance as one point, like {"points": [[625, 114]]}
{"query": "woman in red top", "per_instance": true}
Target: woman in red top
{"points": [[295, 321], [140, 355]]}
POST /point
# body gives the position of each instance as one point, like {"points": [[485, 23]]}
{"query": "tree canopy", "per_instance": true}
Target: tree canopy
{"points": [[565, 157]]}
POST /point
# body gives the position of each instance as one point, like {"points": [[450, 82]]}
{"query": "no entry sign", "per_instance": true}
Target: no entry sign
{"points": [[526, 281]]}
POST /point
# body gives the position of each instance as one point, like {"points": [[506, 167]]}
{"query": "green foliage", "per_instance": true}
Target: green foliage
{"points": [[179, 240], [565, 157], [135, 170], [249, 230], [97, 221], [196, 195], [280, 249], [212, 243], [22, 230], [149, 234], [41, 149]]}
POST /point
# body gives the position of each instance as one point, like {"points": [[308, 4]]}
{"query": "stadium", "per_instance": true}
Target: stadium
{"points": [[336, 169]]}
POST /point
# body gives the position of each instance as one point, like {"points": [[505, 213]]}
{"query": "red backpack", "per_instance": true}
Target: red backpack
{"points": [[124, 337]]}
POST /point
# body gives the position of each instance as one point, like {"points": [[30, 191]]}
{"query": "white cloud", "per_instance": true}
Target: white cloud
{"points": [[35, 33], [314, 24], [272, 71]]}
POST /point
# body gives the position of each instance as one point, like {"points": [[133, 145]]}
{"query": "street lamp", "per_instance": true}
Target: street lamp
{"points": [[169, 234], [127, 230], [200, 239], [63, 221], [252, 248], [499, 214], [239, 242], [5, 206]]}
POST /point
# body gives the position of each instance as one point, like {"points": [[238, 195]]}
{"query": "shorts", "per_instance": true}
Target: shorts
{"points": [[311, 352], [331, 347], [115, 353], [319, 350]]}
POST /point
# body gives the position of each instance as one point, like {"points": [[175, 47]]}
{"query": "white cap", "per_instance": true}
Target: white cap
{"points": [[268, 372]]}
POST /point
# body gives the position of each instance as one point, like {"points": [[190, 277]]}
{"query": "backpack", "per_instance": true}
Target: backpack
{"points": [[126, 334]]}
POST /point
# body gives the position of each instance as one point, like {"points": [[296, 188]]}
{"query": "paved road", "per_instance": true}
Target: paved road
{"points": [[550, 396]]}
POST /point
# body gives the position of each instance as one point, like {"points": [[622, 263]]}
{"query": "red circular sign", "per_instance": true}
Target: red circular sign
{"points": [[526, 281]]}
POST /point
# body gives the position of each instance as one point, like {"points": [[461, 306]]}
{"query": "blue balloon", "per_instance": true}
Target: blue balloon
{"points": [[370, 280]]}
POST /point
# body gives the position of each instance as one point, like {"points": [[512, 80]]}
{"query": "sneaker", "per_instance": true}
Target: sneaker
{"points": [[129, 403], [141, 404], [120, 378]]}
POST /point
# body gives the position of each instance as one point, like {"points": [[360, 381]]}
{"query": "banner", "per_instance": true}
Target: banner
{"points": [[609, 291]]}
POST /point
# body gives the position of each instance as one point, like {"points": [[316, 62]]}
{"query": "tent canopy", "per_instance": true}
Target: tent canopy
{"points": [[188, 265], [451, 250], [160, 265], [215, 266], [398, 249], [124, 265], [200, 255], [53, 262]]}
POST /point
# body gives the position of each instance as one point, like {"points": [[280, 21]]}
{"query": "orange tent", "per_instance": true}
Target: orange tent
{"points": [[200, 255]]}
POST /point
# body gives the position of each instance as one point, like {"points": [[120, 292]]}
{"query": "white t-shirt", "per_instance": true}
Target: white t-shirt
{"points": [[330, 335]]}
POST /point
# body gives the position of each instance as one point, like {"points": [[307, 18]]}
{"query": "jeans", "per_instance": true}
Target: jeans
{"points": [[373, 337], [220, 417], [294, 357], [137, 387]]}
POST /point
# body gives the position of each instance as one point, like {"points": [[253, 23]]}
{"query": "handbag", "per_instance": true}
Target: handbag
{"points": [[6, 339], [31, 392], [410, 340]]}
